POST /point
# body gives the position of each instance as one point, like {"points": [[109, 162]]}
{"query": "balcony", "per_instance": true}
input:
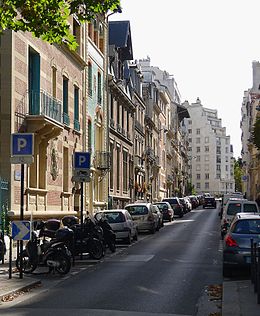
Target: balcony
{"points": [[118, 128], [45, 114], [102, 160], [150, 153], [112, 123], [138, 162], [139, 127]]}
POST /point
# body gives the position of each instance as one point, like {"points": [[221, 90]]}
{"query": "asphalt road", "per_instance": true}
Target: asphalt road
{"points": [[164, 273]]}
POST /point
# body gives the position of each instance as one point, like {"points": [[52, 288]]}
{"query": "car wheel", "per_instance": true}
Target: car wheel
{"points": [[181, 215], [170, 219], [152, 231], [227, 271], [128, 239], [135, 236]]}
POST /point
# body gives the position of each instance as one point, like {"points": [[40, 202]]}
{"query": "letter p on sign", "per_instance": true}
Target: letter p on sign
{"points": [[21, 144]]}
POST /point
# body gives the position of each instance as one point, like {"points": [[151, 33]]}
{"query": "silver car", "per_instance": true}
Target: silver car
{"points": [[145, 215], [237, 242], [122, 224]]}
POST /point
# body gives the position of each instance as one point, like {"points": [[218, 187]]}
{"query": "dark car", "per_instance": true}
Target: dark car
{"points": [[176, 205], [237, 242], [209, 202], [166, 209]]}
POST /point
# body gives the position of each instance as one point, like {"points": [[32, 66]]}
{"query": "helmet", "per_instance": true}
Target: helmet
{"points": [[70, 220]]}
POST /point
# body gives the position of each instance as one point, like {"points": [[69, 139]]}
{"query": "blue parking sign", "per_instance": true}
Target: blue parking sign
{"points": [[82, 160], [22, 144]]}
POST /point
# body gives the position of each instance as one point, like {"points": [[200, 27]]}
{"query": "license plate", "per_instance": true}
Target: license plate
{"points": [[248, 259]]}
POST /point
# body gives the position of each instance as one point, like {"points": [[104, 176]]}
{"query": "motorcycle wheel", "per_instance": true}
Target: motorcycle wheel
{"points": [[28, 266], [64, 263], [96, 249]]}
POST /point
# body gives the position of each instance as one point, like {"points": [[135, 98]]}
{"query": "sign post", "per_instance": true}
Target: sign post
{"points": [[22, 149]]}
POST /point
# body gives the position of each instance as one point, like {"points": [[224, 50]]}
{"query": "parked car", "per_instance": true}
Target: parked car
{"points": [[176, 205], [209, 202], [122, 224], [160, 217], [194, 201], [237, 242], [225, 199], [166, 210], [189, 205], [184, 205], [234, 206], [145, 215]]}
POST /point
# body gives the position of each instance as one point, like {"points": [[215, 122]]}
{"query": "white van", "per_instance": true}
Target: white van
{"points": [[228, 196], [234, 206]]}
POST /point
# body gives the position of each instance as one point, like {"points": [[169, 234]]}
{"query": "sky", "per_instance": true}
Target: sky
{"points": [[208, 46]]}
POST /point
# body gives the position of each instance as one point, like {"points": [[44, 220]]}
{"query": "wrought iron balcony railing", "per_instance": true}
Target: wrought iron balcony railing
{"points": [[42, 103], [102, 160]]}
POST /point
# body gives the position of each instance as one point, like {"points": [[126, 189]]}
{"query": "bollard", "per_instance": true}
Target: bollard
{"points": [[252, 268], [258, 275], [255, 265], [10, 257]]}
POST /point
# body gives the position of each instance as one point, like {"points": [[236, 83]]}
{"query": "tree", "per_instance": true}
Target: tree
{"points": [[48, 19], [238, 174], [256, 133]]}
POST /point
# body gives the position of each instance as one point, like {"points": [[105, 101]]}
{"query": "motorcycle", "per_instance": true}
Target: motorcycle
{"points": [[42, 252], [109, 237], [86, 239], [224, 229]]}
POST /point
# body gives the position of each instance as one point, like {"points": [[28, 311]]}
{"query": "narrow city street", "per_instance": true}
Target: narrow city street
{"points": [[162, 273]]}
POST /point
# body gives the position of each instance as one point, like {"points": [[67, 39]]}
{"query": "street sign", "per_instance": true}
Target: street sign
{"points": [[22, 148], [81, 160], [21, 230], [81, 175]]}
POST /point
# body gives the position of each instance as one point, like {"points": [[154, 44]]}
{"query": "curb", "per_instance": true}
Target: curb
{"points": [[19, 289]]}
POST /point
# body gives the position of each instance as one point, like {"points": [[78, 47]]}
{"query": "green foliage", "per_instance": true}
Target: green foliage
{"points": [[48, 19], [256, 134]]}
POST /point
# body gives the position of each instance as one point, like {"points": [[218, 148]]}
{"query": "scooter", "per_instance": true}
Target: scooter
{"points": [[87, 238], [41, 252], [109, 237]]}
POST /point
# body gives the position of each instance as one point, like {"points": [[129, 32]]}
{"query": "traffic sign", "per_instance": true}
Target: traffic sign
{"points": [[81, 175], [21, 230], [22, 144], [81, 160]]}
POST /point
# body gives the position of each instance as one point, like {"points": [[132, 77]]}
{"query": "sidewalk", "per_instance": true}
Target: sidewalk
{"points": [[239, 299]]}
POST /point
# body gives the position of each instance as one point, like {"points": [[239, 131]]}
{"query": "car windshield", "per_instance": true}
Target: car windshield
{"points": [[172, 201], [247, 226], [250, 208], [137, 209], [233, 208], [209, 199], [161, 206], [115, 217]]}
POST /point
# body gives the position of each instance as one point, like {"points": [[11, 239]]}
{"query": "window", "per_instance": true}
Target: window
{"points": [[111, 172], [34, 81], [90, 79], [54, 82], [218, 159], [218, 168], [218, 175], [197, 167], [198, 149], [125, 174], [226, 150], [206, 148], [66, 119], [99, 95], [189, 130], [198, 176], [206, 167], [101, 38], [76, 32], [207, 176], [189, 122], [226, 167], [198, 131], [206, 157], [198, 185], [190, 140], [226, 158], [65, 172], [197, 140], [198, 158], [118, 168], [218, 150], [89, 136], [76, 108], [206, 185], [95, 32], [206, 139]]}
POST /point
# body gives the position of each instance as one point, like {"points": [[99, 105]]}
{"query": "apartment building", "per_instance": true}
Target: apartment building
{"points": [[249, 153], [42, 93], [121, 115], [210, 151], [96, 125]]}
